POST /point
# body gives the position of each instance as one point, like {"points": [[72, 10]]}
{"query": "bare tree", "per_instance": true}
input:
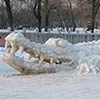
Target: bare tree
{"points": [[48, 6], [51, 13], [95, 7], [47, 12], [37, 13], [72, 15], [84, 12], [9, 13], [2, 15]]}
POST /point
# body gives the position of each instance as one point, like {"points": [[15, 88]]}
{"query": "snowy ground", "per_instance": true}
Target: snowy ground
{"points": [[62, 85], [50, 86], [58, 30]]}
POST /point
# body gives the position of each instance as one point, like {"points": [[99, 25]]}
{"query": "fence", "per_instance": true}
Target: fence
{"points": [[73, 38], [41, 37]]}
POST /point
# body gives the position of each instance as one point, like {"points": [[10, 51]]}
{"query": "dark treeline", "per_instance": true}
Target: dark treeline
{"points": [[50, 13]]}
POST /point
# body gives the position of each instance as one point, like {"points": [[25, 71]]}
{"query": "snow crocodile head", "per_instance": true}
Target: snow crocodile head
{"points": [[55, 51]]}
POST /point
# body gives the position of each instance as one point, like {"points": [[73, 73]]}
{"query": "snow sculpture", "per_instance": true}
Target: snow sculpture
{"points": [[52, 53], [88, 57]]}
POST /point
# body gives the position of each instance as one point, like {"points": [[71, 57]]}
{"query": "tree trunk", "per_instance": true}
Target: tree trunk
{"points": [[47, 21], [37, 13], [9, 13], [93, 17], [72, 16], [46, 15]]}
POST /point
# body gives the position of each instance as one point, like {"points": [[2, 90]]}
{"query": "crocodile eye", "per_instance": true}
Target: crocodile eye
{"points": [[61, 44]]}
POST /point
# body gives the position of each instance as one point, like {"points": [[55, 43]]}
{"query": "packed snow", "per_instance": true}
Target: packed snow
{"points": [[61, 85]]}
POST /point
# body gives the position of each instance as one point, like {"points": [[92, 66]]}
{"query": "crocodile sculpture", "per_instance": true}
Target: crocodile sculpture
{"points": [[54, 55]]}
